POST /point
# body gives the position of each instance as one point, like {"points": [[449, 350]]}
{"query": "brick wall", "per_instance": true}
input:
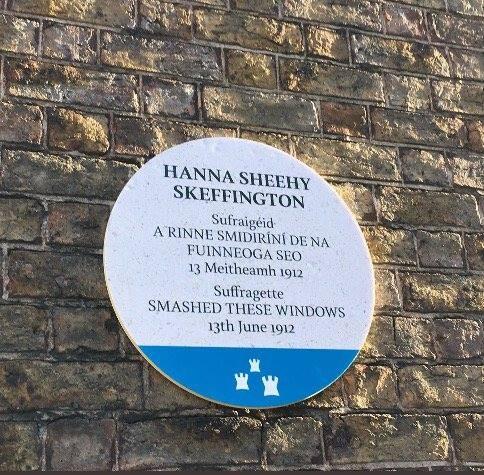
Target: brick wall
{"points": [[382, 98]]}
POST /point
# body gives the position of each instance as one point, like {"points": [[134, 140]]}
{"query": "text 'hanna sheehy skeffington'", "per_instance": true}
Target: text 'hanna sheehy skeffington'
{"points": [[238, 196]]}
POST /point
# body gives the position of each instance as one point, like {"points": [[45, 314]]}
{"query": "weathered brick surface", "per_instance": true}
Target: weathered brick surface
{"points": [[249, 31], [52, 274], [383, 98], [399, 54], [18, 35], [390, 246], [404, 21], [424, 166], [168, 442], [20, 446], [385, 438], [440, 292], [179, 58], [80, 444], [457, 30], [474, 244], [275, 140], [476, 135], [459, 97], [327, 43], [434, 339], [380, 341], [475, 129], [34, 385], [387, 291], [436, 4], [266, 6], [136, 136], [166, 18], [344, 119], [440, 249], [163, 395], [364, 14], [414, 338], [359, 199], [467, 64], [278, 111], [441, 386], [458, 338], [407, 92], [77, 131], [294, 441], [69, 42], [53, 174], [330, 80], [466, 7], [77, 224], [20, 219], [215, 3], [331, 157], [169, 98], [391, 125], [70, 85], [251, 69], [399, 205], [331, 397], [468, 433], [468, 170], [96, 11], [24, 328], [370, 387], [20, 123], [84, 329]]}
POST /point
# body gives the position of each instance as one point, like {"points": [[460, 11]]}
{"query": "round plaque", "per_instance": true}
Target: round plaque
{"points": [[238, 273]]}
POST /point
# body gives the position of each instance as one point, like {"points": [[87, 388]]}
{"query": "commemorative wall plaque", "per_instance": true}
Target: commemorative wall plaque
{"points": [[238, 273]]}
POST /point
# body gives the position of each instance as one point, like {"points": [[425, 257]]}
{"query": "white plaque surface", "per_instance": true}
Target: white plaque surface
{"points": [[239, 273]]}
